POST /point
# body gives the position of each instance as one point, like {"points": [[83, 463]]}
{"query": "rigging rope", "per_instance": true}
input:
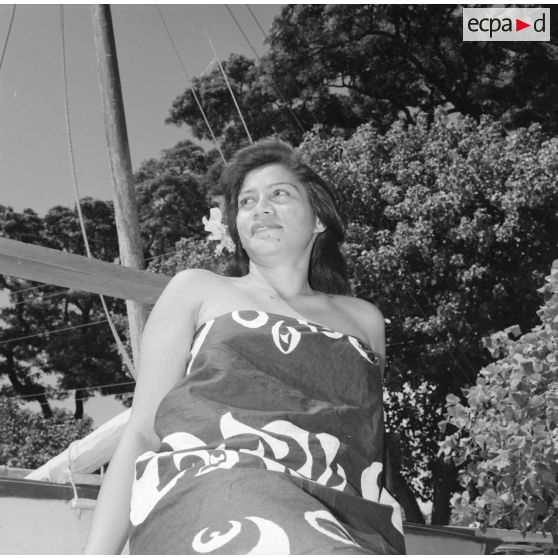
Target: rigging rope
{"points": [[293, 81], [256, 20], [188, 78], [226, 79], [70, 390], [27, 289], [119, 344], [75, 399], [8, 36], [274, 83], [47, 332], [42, 297]]}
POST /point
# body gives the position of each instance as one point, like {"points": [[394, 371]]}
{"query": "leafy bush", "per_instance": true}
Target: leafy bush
{"points": [[507, 435], [440, 214], [28, 440]]}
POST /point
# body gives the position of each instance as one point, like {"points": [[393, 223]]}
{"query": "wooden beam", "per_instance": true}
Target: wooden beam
{"points": [[53, 267]]}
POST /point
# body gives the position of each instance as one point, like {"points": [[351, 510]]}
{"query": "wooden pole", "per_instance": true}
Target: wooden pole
{"points": [[127, 223]]}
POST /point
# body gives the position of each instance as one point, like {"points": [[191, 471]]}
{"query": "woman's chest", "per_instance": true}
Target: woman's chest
{"points": [[322, 309]]}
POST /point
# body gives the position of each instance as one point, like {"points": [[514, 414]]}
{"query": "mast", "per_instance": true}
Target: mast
{"points": [[125, 208]]}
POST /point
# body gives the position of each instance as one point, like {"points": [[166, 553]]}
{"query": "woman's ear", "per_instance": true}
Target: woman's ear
{"points": [[319, 228]]}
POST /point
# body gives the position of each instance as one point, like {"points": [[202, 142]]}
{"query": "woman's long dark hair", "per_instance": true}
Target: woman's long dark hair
{"points": [[328, 270]]}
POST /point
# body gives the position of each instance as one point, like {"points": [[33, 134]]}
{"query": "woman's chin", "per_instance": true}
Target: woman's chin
{"points": [[265, 239], [265, 246]]}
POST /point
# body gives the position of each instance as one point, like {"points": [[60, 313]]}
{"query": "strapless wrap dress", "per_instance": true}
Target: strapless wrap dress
{"points": [[271, 444]]}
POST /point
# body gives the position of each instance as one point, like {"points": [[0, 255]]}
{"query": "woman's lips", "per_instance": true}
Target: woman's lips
{"points": [[263, 227]]}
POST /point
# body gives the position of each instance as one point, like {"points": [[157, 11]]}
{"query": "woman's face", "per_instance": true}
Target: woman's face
{"points": [[274, 214]]}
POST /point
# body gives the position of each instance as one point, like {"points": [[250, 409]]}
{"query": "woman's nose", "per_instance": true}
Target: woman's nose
{"points": [[264, 206]]}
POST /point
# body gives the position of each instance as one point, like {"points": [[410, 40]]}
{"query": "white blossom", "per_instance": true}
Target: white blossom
{"points": [[218, 231]]}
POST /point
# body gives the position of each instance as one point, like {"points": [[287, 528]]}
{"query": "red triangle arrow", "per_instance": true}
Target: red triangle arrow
{"points": [[519, 25]]}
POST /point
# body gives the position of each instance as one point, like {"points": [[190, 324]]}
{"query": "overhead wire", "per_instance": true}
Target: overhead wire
{"points": [[41, 286], [208, 67], [48, 332], [69, 390], [42, 297], [68, 328], [120, 345], [69, 136], [7, 35], [256, 20], [225, 78], [27, 289], [87, 398], [293, 81], [193, 91], [274, 83], [162, 255], [48, 296]]}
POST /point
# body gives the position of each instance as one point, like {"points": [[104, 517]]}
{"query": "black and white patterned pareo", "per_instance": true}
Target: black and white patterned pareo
{"points": [[271, 444]]}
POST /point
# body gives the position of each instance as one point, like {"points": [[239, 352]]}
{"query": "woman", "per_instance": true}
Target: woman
{"points": [[257, 415]]}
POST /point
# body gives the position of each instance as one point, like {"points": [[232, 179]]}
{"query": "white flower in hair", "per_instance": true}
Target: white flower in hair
{"points": [[218, 230]]}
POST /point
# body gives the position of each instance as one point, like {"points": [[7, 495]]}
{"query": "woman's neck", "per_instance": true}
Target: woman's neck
{"points": [[286, 282]]}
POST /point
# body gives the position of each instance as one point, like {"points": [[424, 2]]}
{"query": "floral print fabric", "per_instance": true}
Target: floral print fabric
{"points": [[271, 444]]}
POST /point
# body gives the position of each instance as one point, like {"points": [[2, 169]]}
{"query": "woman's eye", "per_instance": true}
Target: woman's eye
{"points": [[280, 191], [243, 201]]}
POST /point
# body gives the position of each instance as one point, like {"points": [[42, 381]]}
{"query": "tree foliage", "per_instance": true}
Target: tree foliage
{"points": [[507, 434], [440, 215], [28, 439], [171, 196], [80, 356], [171, 199], [345, 65]]}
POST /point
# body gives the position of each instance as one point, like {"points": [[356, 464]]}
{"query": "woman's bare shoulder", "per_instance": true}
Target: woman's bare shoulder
{"points": [[189, 287], [197, 279], [359, 307], [368, 317]]}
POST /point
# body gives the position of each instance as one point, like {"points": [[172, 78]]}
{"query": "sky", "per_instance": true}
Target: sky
{"points": [[34, 154]]}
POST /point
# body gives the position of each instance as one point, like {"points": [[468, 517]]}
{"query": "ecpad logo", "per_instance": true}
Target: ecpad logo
{"points": [[506, 24]]}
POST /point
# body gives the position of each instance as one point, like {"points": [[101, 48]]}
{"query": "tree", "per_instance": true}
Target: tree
{"points": [[172, 200], [506, 437], [28, 439], [22, 362], [171, 194], [415, 58], [345, 65], [440, 214], [254, 93], [79, 356], [184, 158]]}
